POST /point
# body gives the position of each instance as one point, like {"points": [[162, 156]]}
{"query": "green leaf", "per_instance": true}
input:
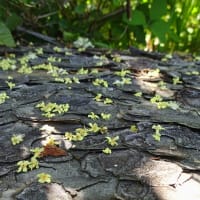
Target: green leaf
{"points": [[80, 9], [159, 29], [6, 36], [116, 3], [69, 36], [158, 9], [139, 34], [174, 36], [13, 21], [138, 18]]}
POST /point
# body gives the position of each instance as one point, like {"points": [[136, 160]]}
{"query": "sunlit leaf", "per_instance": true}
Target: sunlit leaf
{"points": [[158, 9], [44, 178], [6, 36]]}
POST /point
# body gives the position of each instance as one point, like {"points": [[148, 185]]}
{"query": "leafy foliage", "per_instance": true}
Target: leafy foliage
{"points": [[44, 178], [151, 24], [5, 36]]}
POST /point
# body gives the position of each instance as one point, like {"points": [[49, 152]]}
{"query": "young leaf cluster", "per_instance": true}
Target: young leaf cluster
{"points": [[157, 129], [100, 82], [25, 165], [158, 100], [50, 109], [3, 97], [104, 116], [106, 100]]}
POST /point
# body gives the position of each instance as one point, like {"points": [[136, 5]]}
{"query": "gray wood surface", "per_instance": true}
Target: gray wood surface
{"points": [[139, 167]]}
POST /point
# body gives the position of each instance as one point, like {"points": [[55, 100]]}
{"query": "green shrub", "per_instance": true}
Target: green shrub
{"points": [[164, 25]]}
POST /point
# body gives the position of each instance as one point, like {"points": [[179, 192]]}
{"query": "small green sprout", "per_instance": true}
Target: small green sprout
{"points": [[51, 141], [53, 70], [190, 73], [83, 43], [62, 108], [17, 139], [99, 82], [99, 63], [8, 64], [3, 97], [75, 80], [68, 53], [94, 127], [37, 151], [108, 101], [25, 69], [50, 109], [98, 97], [82, 131], [23, 166], [154, 72], [44, 178], [195, 73], [59, 79], [116, 58], [112, 141], [157, 136], [33, 164], [67, 80], [78, 137], [39, 51], [52, 59], [126, 81], [104, 129], [48, 115], [57, 49], [123, 72], [107, 151], [134, 128], [82, 71], [105, 116], [100, 60], [10, 78], [138, 94], [69, 136], [176, 80], [10, 84], [162, 105], [156, 98], [93, 116], [94, 71], [157, 129]]}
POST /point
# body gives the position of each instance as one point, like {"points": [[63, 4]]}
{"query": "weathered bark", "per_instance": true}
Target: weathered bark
{"points": [[139, 167]]}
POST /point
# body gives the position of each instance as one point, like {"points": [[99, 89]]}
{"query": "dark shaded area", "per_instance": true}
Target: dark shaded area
{"points": [[139, 167]]}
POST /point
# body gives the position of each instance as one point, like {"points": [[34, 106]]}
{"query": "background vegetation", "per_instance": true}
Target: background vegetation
{"points": [[164, 25]]}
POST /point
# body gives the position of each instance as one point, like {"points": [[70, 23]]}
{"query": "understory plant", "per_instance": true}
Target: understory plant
{"points": [[164, 25]]}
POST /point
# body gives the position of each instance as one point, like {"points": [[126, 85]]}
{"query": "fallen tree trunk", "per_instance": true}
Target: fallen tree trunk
{"points": [[109, 125]]}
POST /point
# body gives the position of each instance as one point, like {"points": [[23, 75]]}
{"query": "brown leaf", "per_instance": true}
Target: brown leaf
{"points": [[53, 150]]}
